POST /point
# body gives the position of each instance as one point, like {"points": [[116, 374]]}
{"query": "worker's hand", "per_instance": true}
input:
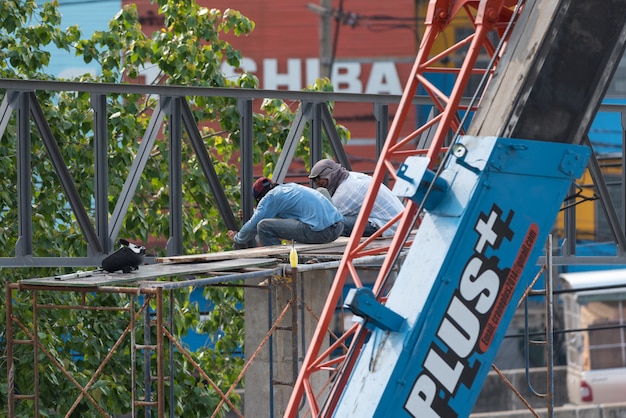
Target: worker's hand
{"points": [[231, 234]]}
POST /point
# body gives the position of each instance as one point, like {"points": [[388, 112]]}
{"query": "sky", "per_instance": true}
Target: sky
{"points": [[90, 16]]}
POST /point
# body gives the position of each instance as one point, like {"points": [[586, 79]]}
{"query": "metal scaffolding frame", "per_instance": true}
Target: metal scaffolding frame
{"points": [[149, 383], [141, 293]]}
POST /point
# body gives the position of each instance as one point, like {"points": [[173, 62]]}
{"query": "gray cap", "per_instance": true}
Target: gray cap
{"points": [[323, 168]]}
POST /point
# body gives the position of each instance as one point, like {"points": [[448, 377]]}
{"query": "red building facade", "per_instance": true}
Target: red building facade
{"points": [[371, 46]]}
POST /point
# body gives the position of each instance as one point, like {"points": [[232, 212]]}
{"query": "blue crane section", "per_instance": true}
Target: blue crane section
{"points": [[472, 258]]}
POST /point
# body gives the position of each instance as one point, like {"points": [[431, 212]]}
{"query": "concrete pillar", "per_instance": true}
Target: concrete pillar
{"points": [[269, 378]]}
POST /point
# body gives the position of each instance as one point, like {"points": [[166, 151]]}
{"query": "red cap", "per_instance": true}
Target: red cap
{"points": [[261, 187]]}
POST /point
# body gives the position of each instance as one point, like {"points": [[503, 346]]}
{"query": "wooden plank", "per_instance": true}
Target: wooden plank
{"points": [[147, 272], [250, 252]]}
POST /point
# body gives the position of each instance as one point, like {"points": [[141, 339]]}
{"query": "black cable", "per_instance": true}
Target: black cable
{"points": [[335, 39]]}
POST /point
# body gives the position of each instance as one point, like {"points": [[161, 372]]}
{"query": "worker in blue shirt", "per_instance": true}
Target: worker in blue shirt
{"points": [[289, 211]]}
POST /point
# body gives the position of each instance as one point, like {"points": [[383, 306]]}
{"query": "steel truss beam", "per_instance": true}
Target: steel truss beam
{"points": [[320, 119], [100, 237], [173, 109]]}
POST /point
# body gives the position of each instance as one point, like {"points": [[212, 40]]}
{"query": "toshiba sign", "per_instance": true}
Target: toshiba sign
{"points": [[378, 77]]}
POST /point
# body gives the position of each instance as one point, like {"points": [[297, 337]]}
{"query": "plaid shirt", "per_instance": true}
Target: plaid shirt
{"points": [[350, 195]]}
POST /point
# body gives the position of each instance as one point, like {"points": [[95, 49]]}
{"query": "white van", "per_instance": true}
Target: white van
{"points": [[595, 306]]}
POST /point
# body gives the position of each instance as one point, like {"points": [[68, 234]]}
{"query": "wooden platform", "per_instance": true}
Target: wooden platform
{"points": [[336, 246], [201, 264], [148, 272]]}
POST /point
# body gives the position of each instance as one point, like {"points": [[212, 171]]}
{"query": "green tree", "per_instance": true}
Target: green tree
{"points": [[188, 51]]}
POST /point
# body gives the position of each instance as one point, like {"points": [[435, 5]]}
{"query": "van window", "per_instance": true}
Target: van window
{"points": [[605, 344]]}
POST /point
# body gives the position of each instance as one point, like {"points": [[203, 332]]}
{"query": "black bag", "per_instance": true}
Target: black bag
{"points": [[129, 257]]}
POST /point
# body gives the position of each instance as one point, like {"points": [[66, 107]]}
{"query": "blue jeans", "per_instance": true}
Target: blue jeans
{"points": [[349, 226], [271, 231]]}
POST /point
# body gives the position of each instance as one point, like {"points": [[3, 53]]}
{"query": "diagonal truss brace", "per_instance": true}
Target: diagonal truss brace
{"points": [[100, 237], [318, 115]]}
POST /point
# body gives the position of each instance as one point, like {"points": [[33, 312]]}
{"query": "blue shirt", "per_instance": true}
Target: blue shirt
{"points": [[292, 201]]}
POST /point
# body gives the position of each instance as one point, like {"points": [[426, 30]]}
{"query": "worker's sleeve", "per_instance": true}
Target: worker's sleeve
{"points": [[248, 230]]}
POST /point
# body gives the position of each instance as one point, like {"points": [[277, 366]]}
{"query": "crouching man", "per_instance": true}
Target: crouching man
{"points": [[290, 211]]}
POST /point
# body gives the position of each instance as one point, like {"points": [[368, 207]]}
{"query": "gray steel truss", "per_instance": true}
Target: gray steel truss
{"points": [[172, 108]]}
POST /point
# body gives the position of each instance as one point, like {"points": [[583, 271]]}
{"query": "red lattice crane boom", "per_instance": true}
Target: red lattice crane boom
{"points": [[491, 20]]}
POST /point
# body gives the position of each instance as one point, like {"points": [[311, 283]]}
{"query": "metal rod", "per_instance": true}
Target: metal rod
{"points": [[101, 170], [147, 378], [174, 244], [24, 244], [212, 280], [143, 155], [171, 353], [35, 344], [160, 355], [270, 321], [182, 91], [549, 328], [315, 132], [133, 359], [247, 166], [191, 127], [9, 347]]}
